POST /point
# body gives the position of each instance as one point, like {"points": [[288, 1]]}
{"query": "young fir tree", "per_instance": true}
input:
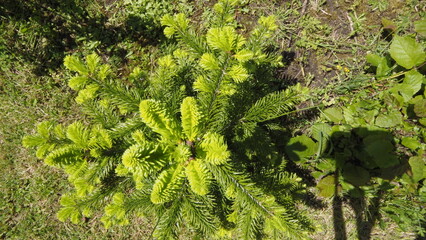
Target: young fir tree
{"points": [[188, 144]]}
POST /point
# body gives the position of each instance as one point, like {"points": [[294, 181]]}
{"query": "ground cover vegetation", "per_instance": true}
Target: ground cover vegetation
{"points": [[213, 119]]}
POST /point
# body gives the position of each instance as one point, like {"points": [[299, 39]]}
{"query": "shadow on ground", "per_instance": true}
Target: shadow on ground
{"points": [[41, 32]]}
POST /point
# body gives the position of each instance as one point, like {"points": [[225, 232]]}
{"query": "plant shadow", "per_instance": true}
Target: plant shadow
{"points": [[43, 32], [360, 156]]}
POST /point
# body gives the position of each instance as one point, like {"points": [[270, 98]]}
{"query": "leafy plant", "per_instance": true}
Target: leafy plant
{"points": [[377, 142], [378, 5], [180, 143], [310, 37]]}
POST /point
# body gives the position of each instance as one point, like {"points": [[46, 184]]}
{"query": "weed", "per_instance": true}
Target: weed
{"points": [[378, 5], [359, 154]]}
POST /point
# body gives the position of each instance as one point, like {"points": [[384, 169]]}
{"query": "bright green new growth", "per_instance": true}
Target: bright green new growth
{"points": [[198, 177], [167, 185], [171, 148], [155, 117], [191, 118]]}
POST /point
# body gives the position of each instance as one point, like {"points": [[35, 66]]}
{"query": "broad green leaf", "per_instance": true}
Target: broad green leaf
{"points": [[321, 132], [373, 59], [389, 120], [422, 121], [417, 165], [355, 175], [369, 116], [327, 186], [381, 64], [420, 27], [390, 99], [391, 172], [383, 68], [350, 114], [197, 177], [411, 85], [333, 114], [381, 151], [411, 143], [407, 52], [300, 147], [420, 108], [167, 185], [190, 118]]}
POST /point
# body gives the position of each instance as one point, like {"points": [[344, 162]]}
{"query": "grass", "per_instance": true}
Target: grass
{"points": [[30, 190], [325, 42]]}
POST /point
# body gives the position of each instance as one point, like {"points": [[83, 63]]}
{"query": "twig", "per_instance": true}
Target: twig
{"points": [[305, 4], [351, 24]]}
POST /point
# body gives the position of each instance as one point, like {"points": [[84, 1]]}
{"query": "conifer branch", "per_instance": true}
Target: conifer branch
{"points": [[162, 149], [199, 215], [274, 215], [169, 222], [213, 103], [126, 128], [272, 106], [100, 115], [178, 25]]}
